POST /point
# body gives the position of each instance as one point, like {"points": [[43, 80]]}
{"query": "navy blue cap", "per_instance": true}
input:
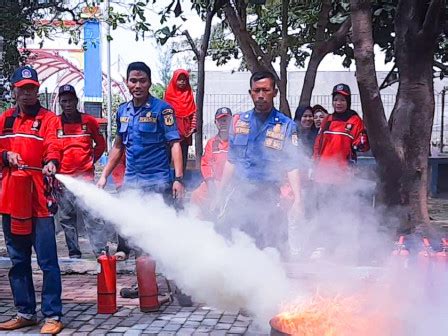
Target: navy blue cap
{"points": [[222, 112], [67, 88], [342, 89], [23, 76]]}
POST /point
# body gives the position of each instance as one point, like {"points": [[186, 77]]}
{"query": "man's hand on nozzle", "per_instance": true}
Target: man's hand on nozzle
{"points": [[14, 159], [49, 169]]}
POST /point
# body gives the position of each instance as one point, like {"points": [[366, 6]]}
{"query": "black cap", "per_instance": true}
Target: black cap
{"points": [[23, 76], [223, 112], [67, 88], [342, 89]]}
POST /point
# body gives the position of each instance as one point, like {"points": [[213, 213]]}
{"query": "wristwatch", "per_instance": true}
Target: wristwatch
{"points": [[179, 179]]}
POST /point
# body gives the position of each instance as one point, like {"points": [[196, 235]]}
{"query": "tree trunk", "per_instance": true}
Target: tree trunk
{"points": [[321, 48], [201, 86], [401, 150], [417, 28], [254, 56], [310, 77], [283, 83]]}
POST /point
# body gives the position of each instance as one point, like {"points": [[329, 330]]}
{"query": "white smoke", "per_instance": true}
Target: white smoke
{"points": [[225, 274]]}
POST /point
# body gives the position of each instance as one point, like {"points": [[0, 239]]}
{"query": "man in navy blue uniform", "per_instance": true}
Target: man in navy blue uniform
{"points": [[262, 155], [147, 133]]}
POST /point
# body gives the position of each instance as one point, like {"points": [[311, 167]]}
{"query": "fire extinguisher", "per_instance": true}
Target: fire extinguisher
{"points": [[400, 254], [426, 253], [148, 291], [21, 201], [441, 257], [107, 283]]}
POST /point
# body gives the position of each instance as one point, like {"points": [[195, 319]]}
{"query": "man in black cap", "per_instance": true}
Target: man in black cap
{"points": [[30, 149], [82, 145], [213, 161]]}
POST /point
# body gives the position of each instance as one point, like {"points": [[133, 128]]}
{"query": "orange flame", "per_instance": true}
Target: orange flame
{"points": [[333, 316]]}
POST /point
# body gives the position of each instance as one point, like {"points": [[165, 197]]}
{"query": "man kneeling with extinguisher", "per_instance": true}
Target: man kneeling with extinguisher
{"points": [[30, 153], [146, 131]]}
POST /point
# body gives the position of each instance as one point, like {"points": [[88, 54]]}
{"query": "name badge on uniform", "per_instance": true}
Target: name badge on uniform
{"points": [[36, 125], [273, 143], [124, 119], [168, 117], [147, 119], [242, 127], [275, 137]]}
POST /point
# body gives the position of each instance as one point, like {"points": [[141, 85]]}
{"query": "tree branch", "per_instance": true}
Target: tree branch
{"points": [[323, 20], [432, 24], [191, 43]]}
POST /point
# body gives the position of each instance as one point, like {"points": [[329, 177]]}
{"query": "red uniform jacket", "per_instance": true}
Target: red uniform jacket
{"points": [[212, 167], [82, 145], [34, 138], [335, 147], [214, 158]]}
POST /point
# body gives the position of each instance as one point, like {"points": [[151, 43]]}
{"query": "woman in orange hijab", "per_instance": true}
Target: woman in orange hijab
{"points": [[180, 96]]}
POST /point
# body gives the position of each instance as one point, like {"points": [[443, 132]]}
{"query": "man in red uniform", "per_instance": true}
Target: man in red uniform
{"points": [[30, 149], [82, 145], [213, 160]]}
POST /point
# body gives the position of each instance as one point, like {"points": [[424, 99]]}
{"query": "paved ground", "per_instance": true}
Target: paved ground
{"points": [[79, 297], [81, 318]]}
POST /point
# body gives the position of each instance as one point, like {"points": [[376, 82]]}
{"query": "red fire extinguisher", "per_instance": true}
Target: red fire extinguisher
{"points": [[107, 283], [426, 252], [148, 291], [400, 254], [21, 203], [441, 257]]}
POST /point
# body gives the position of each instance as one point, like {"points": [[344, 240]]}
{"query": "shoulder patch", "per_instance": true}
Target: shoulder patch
{"points": [[168, 117]]}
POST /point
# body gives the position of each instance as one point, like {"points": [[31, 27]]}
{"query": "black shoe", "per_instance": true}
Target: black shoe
{"points": [[129, 293], [183, 299], [75, 256]]}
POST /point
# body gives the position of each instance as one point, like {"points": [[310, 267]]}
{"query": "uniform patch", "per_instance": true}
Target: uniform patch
{"points": [[148, 114], [124, 119], [60, 133], [147, 119], [242, 127], [26, 73], [348, 127], [276, 133], [295, 139], [84, 127], [36, 125], [168, 117], [273, 143]]}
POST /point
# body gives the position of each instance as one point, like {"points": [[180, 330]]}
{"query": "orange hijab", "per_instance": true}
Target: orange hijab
{"points": [[181, 101]]}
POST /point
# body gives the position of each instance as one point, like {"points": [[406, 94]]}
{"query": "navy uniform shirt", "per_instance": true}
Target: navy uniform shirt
{"points": [[263, 152], [146, 132]]}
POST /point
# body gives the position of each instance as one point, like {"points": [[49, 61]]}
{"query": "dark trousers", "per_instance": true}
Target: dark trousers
{"points": [[166, 192], [68, 218], [20, 275], [255, 209], [184, 144]]}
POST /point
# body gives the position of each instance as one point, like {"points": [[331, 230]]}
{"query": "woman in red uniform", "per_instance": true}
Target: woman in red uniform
{"points": [[341, 135], [179, 95]]}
